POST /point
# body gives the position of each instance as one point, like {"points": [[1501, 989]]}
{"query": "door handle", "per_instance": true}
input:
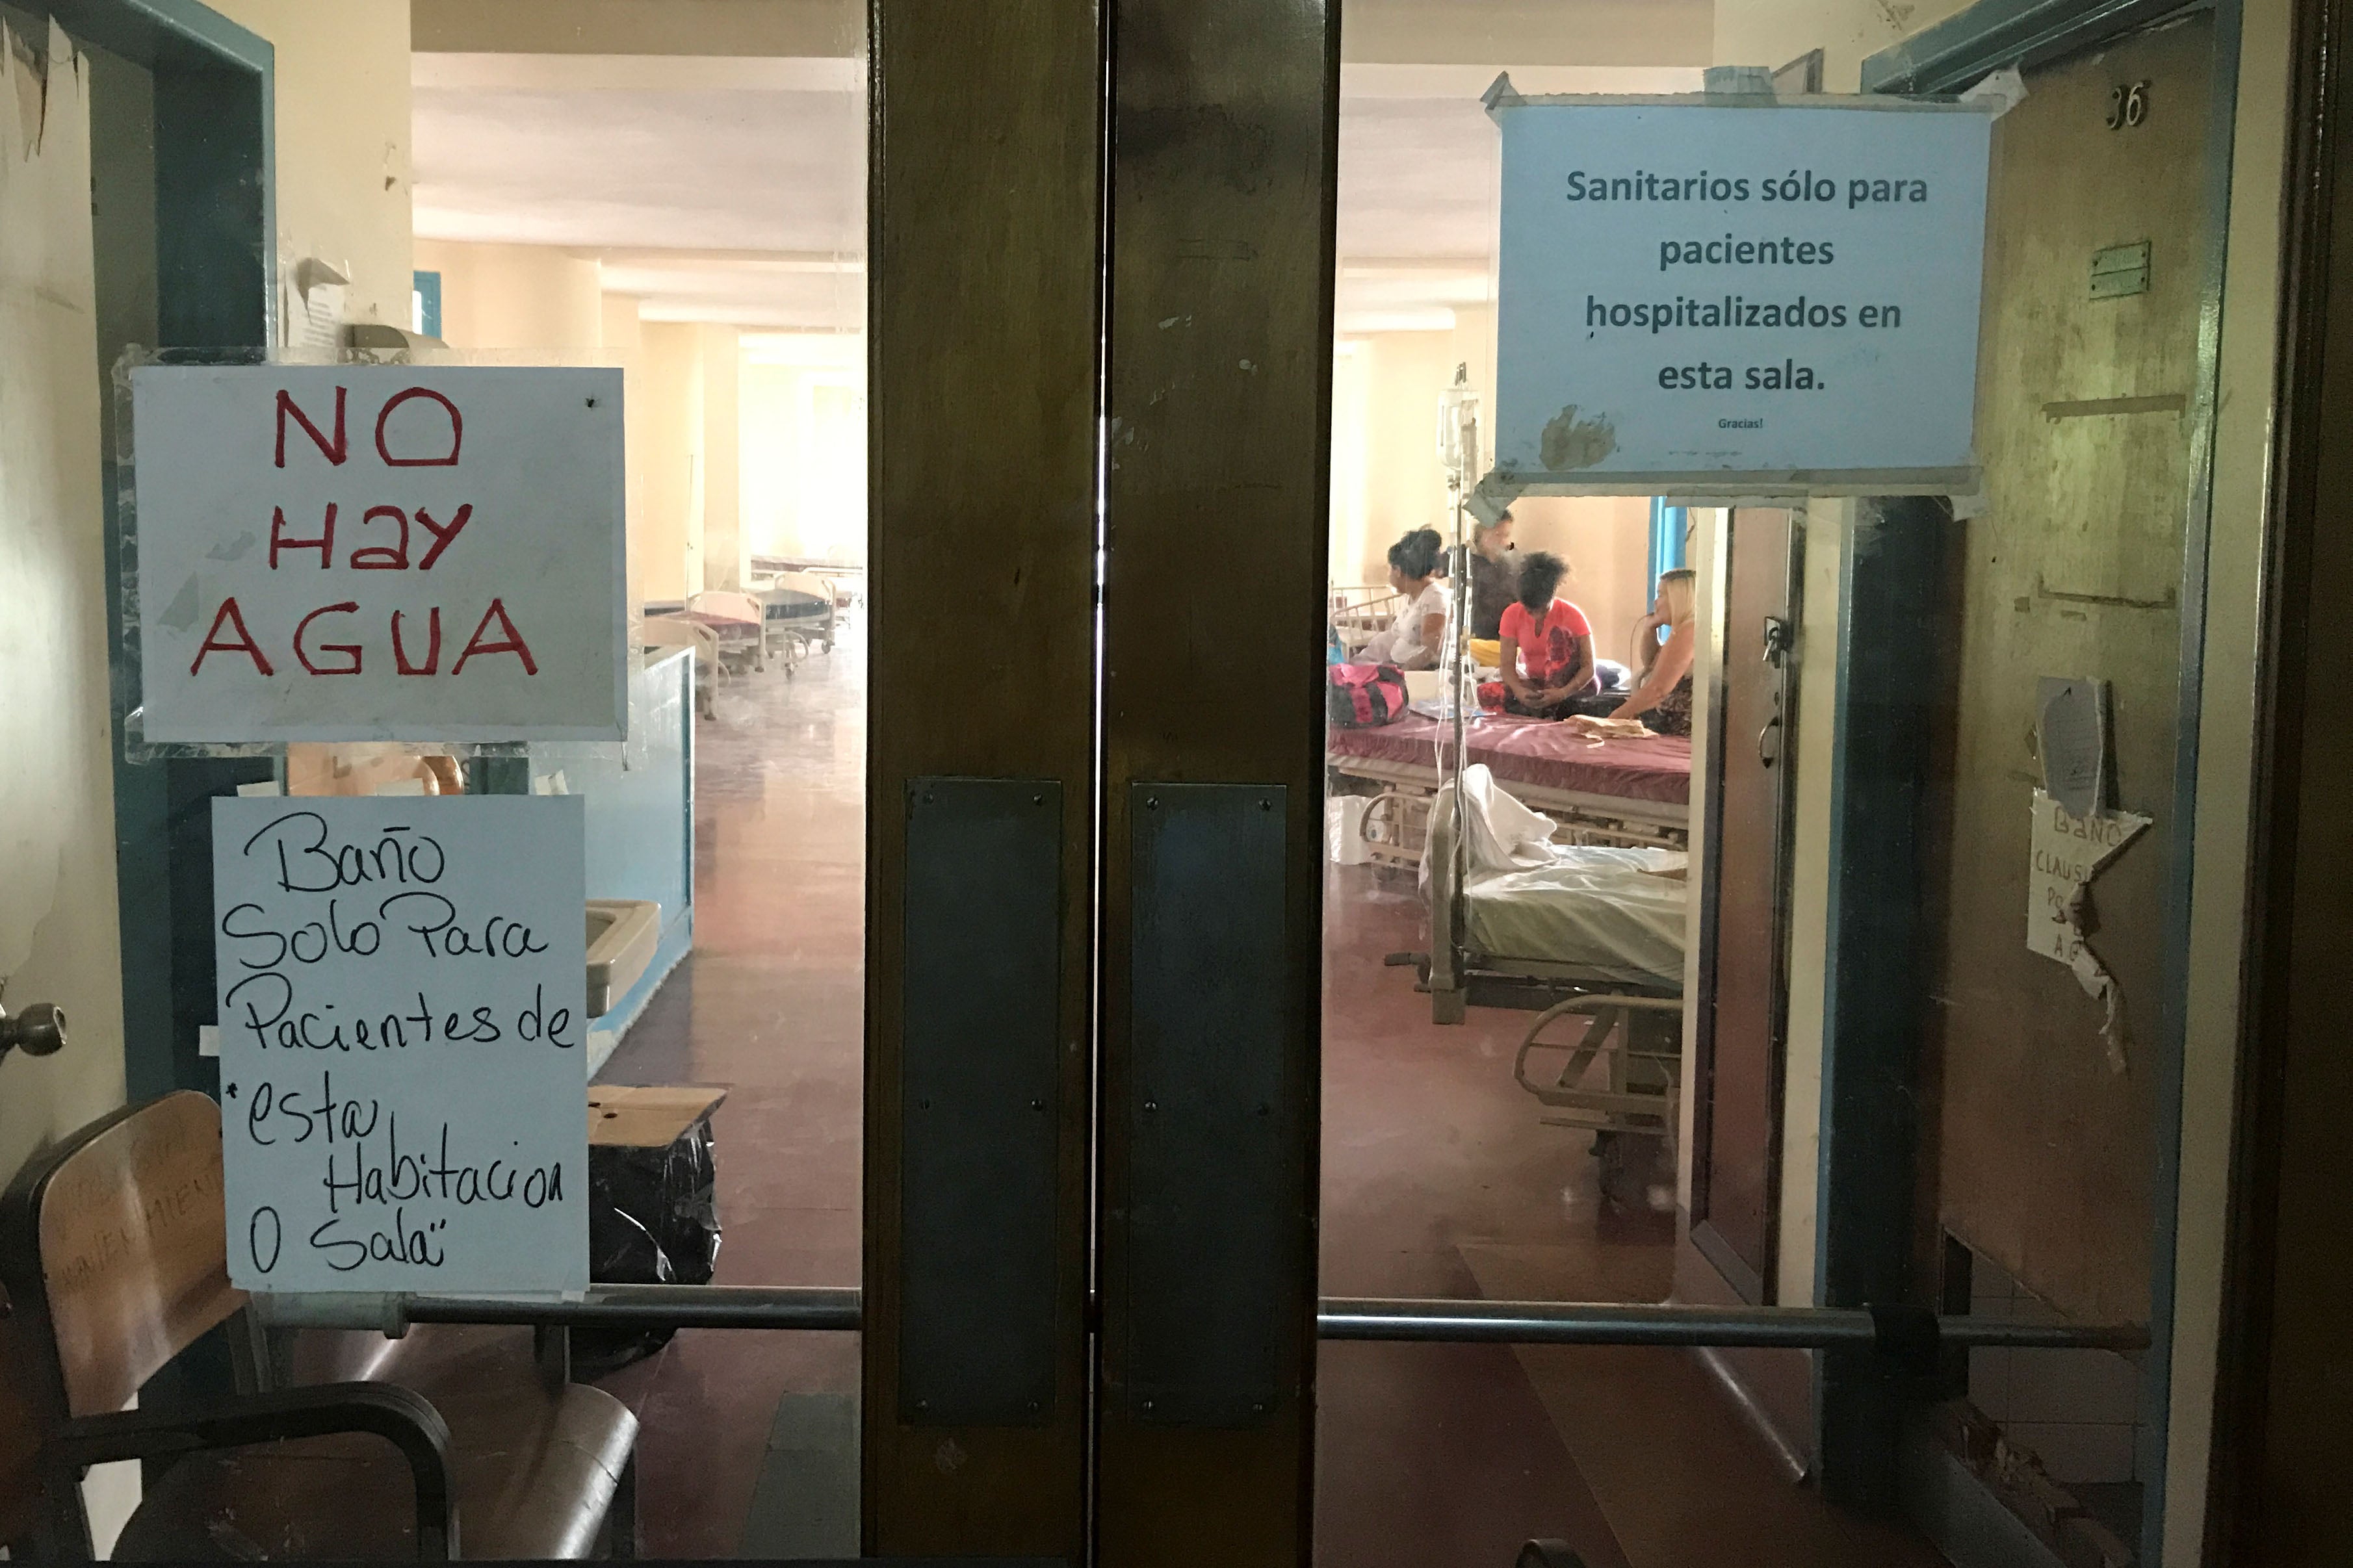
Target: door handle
{"points": [[39, 1031], [1768, 741]]}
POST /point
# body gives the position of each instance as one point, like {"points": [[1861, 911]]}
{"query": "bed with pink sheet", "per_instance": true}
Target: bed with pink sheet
{"points": [[1635, 791]]}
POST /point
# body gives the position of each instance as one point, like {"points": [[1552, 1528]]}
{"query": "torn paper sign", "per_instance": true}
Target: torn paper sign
{"points": [[315, 299], [2068, 852], [2071, 734], [2004, 91]]}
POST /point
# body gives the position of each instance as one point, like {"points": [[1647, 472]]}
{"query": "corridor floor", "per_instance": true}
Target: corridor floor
{"points": [[1438, 1181]]}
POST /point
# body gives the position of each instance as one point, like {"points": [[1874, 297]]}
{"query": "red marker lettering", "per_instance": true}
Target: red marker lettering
{"points": [[383, 557], [335, 450], [457, 431], [350, 651], [229, 614], [513, 643], [432, 651], [442, 536], [324, 544]]}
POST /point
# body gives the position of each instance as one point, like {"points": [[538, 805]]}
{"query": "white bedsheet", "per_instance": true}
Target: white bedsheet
{"points": [[1605, 910]]}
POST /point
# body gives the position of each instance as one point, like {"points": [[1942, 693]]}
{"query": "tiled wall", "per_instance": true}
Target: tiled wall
{"points": [[2075, 1409]]}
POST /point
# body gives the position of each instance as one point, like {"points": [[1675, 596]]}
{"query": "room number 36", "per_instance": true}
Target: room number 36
{"points": [[2127, 106]]}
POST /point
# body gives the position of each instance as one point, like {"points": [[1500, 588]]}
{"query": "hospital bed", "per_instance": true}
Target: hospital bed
{"points": [[1592, 935], [1357, 613], [796, 609], [1623, 792]]}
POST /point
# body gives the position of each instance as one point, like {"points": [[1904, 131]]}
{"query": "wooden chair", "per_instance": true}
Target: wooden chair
{"points": [[113, 1252]]}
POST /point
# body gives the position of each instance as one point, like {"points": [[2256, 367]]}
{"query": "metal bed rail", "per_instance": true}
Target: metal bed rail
{"points": [[1904, 1334]]}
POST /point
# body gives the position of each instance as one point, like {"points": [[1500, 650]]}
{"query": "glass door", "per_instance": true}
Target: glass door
{"points": [[1076, 998]]}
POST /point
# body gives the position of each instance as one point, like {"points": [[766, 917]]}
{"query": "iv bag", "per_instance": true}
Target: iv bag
{"points": [[1458, 430]]}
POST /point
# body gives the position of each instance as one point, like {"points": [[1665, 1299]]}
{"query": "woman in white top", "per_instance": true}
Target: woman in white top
{"points": [[1414, 638]]}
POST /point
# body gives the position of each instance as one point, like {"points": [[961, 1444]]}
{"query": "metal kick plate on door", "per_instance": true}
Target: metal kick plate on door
{"points": [[981, 1016], [2119, 270], [1213, 1223]]}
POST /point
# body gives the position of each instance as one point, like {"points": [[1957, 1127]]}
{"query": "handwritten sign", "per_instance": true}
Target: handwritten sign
{"points": [[373, 552], [2068, 852], [403, 1078], [1694, 292]]}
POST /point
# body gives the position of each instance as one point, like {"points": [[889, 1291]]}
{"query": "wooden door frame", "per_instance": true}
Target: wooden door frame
{"points": [[1222, 198], [2279, 1412], [1755, 1287], [984, 298], [1864, 1240]]}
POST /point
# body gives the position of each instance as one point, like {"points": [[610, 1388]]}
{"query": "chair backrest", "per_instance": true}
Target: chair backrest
{"points": [[114, 1242]]}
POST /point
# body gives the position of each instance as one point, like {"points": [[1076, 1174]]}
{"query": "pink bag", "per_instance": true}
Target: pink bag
{"points": [[1364, 695]]}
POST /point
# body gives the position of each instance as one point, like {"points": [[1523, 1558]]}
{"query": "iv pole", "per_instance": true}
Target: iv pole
{"points": [[1457, 450]]}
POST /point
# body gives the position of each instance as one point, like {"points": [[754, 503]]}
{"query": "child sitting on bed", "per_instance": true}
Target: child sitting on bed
{"points": [[1547, 645]]}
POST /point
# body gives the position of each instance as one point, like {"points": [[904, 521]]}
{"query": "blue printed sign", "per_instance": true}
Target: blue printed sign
{"points": [[1695, 294]]}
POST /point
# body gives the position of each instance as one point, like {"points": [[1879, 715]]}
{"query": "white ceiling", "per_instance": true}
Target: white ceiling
{"points": [[732, 189]]}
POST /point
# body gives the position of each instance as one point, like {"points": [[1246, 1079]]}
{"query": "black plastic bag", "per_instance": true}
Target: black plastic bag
{"points": [[653, 1219]]}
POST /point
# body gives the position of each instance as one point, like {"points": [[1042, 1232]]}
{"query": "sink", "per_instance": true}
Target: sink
{"points": [[622, 936]]}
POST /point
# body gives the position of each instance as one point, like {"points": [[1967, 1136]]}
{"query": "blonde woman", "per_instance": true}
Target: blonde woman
{"points": [[1663, 698]]}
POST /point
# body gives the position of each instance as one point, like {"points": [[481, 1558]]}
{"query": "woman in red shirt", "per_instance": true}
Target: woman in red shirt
{"points": [[1547, 652]]}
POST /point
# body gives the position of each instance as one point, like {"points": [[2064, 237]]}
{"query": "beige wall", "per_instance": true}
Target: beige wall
{"points": [[1404, 485], [804, 455], [1528, 32], [693, 532], [723, 447], [1384, 419], [622, 335], [675, 459], [772, 27], [60, 941], [498, 297], [59, 937], [1773, 32], [343, 142]]}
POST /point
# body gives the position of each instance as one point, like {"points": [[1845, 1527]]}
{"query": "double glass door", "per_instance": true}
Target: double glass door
{"points": [[1094, 848], [1098, 325]]}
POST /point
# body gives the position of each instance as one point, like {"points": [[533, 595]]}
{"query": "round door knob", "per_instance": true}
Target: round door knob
{"points": [[39, 1031]]}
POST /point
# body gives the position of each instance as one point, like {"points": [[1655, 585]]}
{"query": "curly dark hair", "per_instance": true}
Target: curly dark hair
{"points": [[1540, 573], [1418, 554]]}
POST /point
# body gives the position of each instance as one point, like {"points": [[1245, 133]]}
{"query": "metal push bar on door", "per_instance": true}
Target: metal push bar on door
{"points": [[1903, 1334]]}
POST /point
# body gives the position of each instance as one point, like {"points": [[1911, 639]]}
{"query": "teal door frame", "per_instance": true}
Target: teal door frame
{"points": [[210, 164]]}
